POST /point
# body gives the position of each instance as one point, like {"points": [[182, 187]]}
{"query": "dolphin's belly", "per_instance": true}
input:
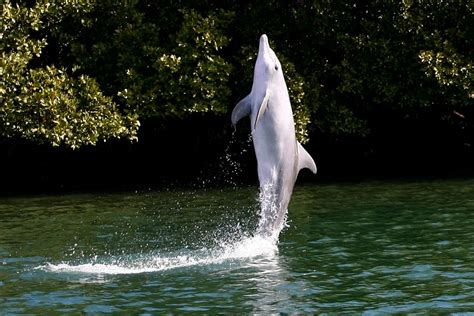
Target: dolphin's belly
{"points": [[275, 149]]}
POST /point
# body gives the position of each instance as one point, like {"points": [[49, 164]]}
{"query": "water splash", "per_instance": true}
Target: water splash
{"points": [[234, 245], [271, 222], [248, 247], [227, 169]]}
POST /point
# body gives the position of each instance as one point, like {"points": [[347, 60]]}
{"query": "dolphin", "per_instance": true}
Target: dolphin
{"points": [[280, 156]]}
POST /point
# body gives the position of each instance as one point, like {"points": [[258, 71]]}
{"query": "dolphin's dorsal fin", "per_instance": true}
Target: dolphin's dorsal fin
{"points": [[242, 109], [261, 108], [305, 160]]}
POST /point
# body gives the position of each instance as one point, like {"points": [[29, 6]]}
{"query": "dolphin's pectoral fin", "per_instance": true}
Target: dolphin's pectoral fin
{"points": [[305, 160], [242, 109], [261, 109]]}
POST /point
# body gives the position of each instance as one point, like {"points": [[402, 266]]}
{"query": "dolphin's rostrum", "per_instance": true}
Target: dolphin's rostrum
{"points": [[279, 155]]}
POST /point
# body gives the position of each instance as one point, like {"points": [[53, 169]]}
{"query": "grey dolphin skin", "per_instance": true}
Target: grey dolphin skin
{"points": [[280, 156]]}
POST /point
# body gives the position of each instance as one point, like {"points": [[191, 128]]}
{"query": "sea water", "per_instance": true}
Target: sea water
{"points": [[370, 247]]}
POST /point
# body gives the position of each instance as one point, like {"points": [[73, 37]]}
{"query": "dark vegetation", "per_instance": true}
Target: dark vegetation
{"points": [[138, 94]]}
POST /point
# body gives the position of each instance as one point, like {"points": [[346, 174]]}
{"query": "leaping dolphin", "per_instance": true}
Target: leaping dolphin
{"points": [[279, 155]]}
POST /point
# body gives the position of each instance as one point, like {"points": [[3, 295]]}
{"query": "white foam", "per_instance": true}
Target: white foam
{"points": [[244, 249], [272, 218], [94, 268]]}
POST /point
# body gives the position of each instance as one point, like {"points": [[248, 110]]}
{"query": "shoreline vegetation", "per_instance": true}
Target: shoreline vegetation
{"points": [[125, 95]]}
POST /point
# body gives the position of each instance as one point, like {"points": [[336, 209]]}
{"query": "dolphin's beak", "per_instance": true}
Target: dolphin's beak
{"points": [[263, 44], [263, 40]]}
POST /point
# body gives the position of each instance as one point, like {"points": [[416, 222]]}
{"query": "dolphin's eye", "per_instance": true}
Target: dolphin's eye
{"points": [[276, 67]]}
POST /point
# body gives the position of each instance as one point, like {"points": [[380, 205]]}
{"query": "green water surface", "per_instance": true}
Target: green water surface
{"points": [[372, 248]]}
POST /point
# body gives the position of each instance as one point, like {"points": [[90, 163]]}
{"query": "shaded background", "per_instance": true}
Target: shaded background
{"points": [[196, 156], [379, 90]]}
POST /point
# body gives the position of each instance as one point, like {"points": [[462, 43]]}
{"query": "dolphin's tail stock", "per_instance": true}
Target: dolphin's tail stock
{"points": [[273, 210], [268, 210], [275, 194]]}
